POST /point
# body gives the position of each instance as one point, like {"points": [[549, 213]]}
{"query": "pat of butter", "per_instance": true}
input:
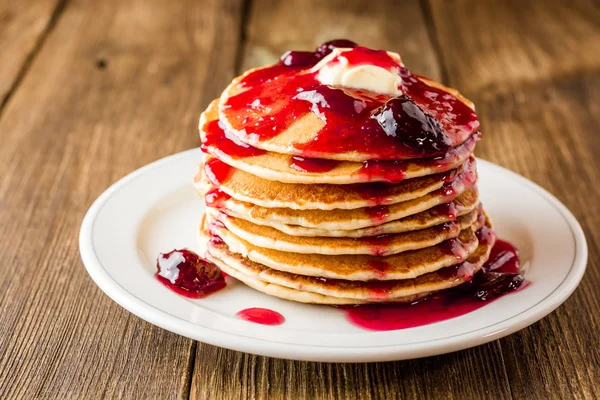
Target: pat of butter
{"points": [[335, 70]]}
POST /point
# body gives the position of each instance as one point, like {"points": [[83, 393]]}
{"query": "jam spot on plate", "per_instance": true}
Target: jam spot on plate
{"points": [[261, 316], [187, 274]]}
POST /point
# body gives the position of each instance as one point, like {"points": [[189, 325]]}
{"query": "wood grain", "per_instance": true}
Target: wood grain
{"points": [[277, 26], [226, 374], [115, 86], [23, 26], [537, 98]]}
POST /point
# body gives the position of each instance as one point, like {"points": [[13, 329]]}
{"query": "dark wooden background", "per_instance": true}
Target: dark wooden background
{"points": [[92, 90]]}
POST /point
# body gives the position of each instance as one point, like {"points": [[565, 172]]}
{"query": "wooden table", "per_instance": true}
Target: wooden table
{"points": [[92, 90]]}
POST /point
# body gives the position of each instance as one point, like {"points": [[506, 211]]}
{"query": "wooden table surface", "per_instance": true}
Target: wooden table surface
{"points": [[92, 90]]}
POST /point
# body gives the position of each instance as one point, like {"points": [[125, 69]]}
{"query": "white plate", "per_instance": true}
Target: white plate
{"points": [[155, 209]]}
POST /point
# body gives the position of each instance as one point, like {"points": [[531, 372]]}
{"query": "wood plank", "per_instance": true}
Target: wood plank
{"points": [[115, 86], [529, 68], [23, 25], [274, 27], [228, 374], [277, 26]]}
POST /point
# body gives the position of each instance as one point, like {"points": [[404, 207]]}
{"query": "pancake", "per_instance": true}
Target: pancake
{"points": [[284, 168], [405, 265], [434, 216], [343, 219], [361, 291], [269, 238], [304, 123], [249, 188], [299, 296]]}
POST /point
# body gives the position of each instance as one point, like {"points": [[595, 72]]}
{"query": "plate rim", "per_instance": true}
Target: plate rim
{"points": [[305, 352]]}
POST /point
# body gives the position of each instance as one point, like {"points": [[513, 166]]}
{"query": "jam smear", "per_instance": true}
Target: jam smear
{"points": [[299, 58], [449, 210], [378, 214], [217, 171], [328, 47], [187, 274], [313, 165], [379, 267], [277, 71], [228, 144], [214, 227], [379, 244], [376, 193], [386, 171], [453, 247], [294, 58], [424, 122], [487, 235], [217, 240], [383, 171], [453, 156], [499, 276], [262, 316], [362, 55], [216, 198], [381, 192]]}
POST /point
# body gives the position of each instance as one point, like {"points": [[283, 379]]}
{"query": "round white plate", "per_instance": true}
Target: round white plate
{"points": [[155, 209]]}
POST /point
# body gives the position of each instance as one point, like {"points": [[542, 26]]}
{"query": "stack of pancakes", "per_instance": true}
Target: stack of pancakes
{"points": [[324, 231]]}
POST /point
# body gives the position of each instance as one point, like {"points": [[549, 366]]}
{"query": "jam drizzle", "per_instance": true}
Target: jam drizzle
{"points": [[424, 122], [498, 277], [216, 198], [216, 137], [217, 140], [378, 214], [379, 267], [184, 272], [314, 165], [217, 171]]}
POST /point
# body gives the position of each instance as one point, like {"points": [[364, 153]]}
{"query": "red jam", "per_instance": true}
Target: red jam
{"points": [[184, 272], [314, 165], [261, 316], [217, 171], [498, 277], [379, 245], [387, 171], [361, 55], [379, 267], [449, 210], [376, 193], [378, 214], [379, 193], [217, 138], [454, 247], [216, 198], [423, 122]]}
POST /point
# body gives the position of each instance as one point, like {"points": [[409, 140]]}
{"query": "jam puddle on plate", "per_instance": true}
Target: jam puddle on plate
{"points": [[499, 276], [187, 274]]}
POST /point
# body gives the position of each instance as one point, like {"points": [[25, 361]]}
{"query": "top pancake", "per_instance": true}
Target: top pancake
{"points": [[286, 168], [262, 108]]}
